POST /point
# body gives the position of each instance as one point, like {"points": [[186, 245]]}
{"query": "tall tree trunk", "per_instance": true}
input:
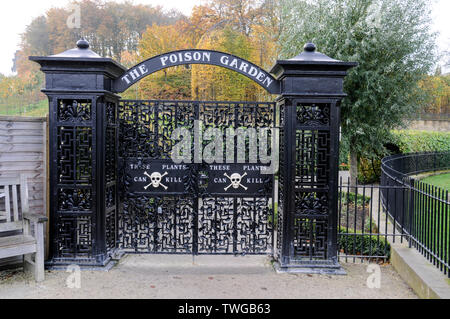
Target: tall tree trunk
{"points": [[353, 166]]}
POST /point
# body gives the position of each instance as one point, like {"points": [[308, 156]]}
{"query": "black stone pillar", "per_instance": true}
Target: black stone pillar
{"points": [[83, 157], [311, 90]]}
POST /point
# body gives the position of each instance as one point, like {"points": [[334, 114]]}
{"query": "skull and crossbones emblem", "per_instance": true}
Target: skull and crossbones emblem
{"points": [[235, 180], [155, 179]]}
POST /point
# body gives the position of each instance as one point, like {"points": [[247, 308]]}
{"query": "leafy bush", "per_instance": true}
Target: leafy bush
{"points": [[369, 170], [411, 141], [357, 244]]}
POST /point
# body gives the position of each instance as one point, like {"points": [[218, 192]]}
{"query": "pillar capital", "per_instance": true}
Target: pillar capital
{"points": [[79, 69], [312, 74]]}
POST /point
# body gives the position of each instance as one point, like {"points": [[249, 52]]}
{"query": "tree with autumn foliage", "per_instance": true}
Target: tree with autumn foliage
{"points": [[215, 83], [113, 30], [245, 28], [239, 27], [171, 83], [437, 88]]}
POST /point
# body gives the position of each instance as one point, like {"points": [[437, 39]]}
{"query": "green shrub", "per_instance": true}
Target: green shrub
{"points": [[365, 245]]}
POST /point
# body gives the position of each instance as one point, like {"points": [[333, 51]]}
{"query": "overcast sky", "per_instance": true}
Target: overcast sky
{"points": [[15, 15]]}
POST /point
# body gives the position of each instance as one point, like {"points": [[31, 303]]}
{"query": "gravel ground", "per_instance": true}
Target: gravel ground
{"points": [[209, 277]]}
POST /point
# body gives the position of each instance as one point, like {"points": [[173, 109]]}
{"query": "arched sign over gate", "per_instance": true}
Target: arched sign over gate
{"points": [[186, 57]]}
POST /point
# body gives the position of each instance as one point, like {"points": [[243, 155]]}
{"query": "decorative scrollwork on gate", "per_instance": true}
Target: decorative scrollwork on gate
{"points": [[74, 110], [281, 178], [254, 225], [313, 115], [74, 199], [311, 203], [156, 224]]}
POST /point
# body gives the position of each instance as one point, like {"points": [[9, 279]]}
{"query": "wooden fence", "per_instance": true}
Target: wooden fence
{"points": [[23, 150]]}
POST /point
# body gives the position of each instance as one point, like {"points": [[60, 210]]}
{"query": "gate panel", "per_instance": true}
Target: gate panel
{"points": [[191, 208], [157, 224]]}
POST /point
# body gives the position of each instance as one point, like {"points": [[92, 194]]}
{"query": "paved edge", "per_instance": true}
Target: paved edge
{"points": [[424, 278]]}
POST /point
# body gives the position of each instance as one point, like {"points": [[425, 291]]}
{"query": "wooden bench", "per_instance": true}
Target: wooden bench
{"points": [[21, 233]]}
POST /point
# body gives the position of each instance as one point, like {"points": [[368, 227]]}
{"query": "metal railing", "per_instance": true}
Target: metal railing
{"points": [[418, 210], [363, 230]]}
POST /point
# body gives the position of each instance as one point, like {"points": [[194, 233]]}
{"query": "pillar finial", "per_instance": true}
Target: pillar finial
{"points": [[82, 44], [310, 47]]}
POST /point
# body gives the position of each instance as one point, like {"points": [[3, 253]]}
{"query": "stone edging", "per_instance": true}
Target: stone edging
{"points": [[427, 281]]}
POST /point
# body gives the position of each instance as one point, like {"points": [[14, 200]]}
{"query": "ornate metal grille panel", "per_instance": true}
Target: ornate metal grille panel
{"points": [[310, 238], [312, 176], [312, 152], [74, 236], [188, 208], [73, 147]]}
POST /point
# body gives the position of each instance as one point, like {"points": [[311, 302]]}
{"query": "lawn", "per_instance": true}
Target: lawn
{"points": [[431, 220], [441, 180]]}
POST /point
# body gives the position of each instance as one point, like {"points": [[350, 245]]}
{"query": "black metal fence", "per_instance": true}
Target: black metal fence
{"points": [[419, 211], [363, 233]]}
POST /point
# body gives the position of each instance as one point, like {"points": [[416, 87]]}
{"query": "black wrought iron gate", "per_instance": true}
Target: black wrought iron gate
{"points": [[198, 207], [158, 206]]}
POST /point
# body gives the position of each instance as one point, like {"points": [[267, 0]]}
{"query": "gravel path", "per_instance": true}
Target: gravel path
{"points": [[209, 277]]}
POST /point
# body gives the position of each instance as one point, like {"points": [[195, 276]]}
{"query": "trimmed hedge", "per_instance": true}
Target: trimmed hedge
{"points": [[364, 245], [410, 141]]}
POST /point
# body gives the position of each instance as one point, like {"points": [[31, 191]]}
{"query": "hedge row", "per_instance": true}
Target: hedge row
{"points": [[410, 141], [352, 243]]}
